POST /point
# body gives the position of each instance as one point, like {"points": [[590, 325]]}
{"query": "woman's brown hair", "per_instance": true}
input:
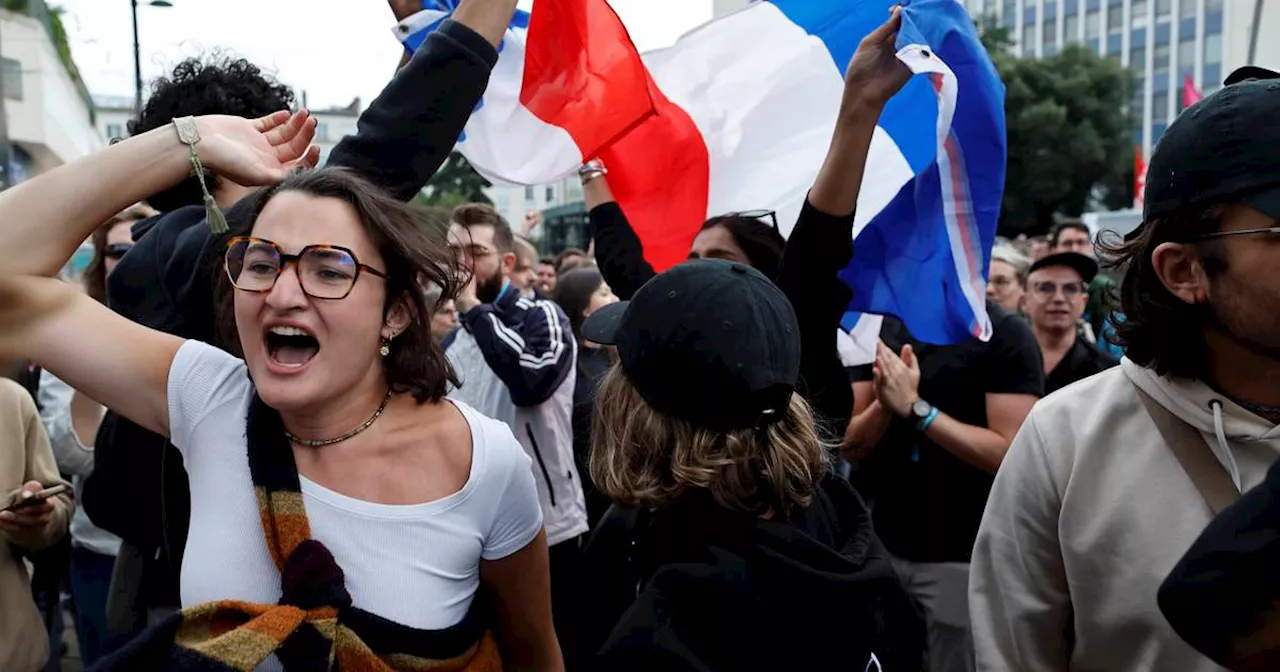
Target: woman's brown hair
{"points": [[414, 259], [643, 458], [1157, 329], [95, 274]]}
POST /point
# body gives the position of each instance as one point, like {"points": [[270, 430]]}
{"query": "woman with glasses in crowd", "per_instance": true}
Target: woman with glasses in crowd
{"points": [[71, 420], [334, 488]]}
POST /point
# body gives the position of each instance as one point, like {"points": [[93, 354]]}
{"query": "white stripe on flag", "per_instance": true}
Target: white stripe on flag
{"points": [[503, 138], [956, 203]]}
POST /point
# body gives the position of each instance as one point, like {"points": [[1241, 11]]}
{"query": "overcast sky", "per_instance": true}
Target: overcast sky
{"points": [[334, 50]]}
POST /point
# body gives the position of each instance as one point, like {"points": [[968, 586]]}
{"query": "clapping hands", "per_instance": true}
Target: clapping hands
{"points": [[897, 379]]}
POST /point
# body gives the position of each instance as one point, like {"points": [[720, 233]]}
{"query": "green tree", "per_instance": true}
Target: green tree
{"points": [[454, 184], [1069, 130]]}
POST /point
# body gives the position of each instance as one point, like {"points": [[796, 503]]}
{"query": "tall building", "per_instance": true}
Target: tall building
{"points": [[1163, 41], [333, 124], [513, 203], [113, 115]]}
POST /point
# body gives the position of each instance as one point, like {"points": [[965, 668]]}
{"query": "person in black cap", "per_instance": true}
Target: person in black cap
{"points": [[1223, 596], [746, 553], [1111, 480], [1054, 303]]}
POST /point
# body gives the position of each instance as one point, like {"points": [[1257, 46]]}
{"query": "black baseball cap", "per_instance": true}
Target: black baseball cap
{"points": [[1223, 149], [711, 342], [1250, 72], [1080, 263]]}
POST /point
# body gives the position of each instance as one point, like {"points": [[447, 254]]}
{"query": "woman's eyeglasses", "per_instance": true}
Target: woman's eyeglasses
{"points": [[116, 250], [324, 271]]}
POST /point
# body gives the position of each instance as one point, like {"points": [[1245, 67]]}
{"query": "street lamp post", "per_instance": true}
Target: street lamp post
{"points": [[137, 51], [1253, 31]]}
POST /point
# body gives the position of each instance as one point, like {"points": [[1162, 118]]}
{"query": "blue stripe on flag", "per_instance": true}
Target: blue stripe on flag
{"points": [[841, 25], [519, 21], [904, 261]]}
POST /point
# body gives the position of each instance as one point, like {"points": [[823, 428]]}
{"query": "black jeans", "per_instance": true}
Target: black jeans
{"points": [[566, 596]]}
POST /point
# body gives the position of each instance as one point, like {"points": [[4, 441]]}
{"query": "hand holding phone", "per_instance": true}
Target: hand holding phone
{"points": [[27, 497], [29, 510]]}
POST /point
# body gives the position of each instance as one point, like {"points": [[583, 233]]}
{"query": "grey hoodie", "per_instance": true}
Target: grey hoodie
{"points": [[1089, 512]]}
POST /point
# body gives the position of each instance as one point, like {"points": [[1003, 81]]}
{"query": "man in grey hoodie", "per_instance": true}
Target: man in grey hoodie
{"points": [[1112, 479]]}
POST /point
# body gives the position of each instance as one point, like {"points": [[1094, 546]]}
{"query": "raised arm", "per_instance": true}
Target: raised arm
{"points": [[50, 215], [409, 129], [618, 251], [875, 74], [821, 245]]}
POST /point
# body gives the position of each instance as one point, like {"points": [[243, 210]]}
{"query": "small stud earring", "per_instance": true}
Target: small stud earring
{"points": [[386, 347]]}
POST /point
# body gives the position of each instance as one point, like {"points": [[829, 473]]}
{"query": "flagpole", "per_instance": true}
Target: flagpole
{"points": [[1253, 32]]}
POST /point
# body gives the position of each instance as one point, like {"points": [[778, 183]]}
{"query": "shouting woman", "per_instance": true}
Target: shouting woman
{"points": [[342, 510]]}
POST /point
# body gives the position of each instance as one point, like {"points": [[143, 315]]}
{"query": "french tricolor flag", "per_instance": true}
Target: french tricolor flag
{"points": [[738, 115]]}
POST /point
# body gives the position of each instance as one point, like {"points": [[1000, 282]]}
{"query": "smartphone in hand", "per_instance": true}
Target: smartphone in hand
{"points": [[17, 504]]}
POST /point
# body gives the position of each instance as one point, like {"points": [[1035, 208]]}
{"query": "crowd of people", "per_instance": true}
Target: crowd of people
{"points": [[335, 436]]}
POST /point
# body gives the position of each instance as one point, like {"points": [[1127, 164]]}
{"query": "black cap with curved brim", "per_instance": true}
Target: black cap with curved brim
{"points": [[711, 342], [1249, 72], [1223, 149], [1082, 264]]}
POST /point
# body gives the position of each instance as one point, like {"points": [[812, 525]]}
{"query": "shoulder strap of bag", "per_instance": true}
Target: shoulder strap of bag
{"points": [[1186, 444]]}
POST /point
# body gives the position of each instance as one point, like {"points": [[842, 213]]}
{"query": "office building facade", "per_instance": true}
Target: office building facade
{"points": [[1164, 42]]}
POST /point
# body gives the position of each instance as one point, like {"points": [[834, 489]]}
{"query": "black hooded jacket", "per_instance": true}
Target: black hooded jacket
{"points": [[705, 589]]}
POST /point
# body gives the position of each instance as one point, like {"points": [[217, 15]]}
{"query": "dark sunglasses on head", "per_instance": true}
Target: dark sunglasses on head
{"points": [[116, 250], [763, 215]]}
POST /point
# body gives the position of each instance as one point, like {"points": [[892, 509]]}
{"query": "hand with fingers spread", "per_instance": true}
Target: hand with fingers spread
{"points": [[897, 379], [29, 521], [254, 152], [875, 74]]}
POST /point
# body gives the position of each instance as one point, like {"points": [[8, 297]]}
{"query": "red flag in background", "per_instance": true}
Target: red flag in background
{"points": [[1190, 96], [1139, 178]]}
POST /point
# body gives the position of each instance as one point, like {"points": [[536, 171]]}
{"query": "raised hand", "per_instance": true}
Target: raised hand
{"points": [[253, 152], [875, 74]]}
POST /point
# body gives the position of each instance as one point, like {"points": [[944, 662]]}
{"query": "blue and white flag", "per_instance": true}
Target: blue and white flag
{"points": [[924, 256]]}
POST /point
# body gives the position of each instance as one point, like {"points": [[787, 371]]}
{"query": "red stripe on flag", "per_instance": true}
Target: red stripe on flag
{"points": [[660, 173], [583, 74]]}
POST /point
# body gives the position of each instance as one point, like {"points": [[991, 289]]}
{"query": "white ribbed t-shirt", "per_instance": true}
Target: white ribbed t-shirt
{"points": [[417, 565]]}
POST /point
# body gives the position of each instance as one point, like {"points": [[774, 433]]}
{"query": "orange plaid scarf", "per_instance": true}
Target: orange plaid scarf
{"points": [[315, 626]]}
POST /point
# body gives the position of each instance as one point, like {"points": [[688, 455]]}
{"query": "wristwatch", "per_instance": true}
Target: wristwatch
{"points": [[924, 414]]}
